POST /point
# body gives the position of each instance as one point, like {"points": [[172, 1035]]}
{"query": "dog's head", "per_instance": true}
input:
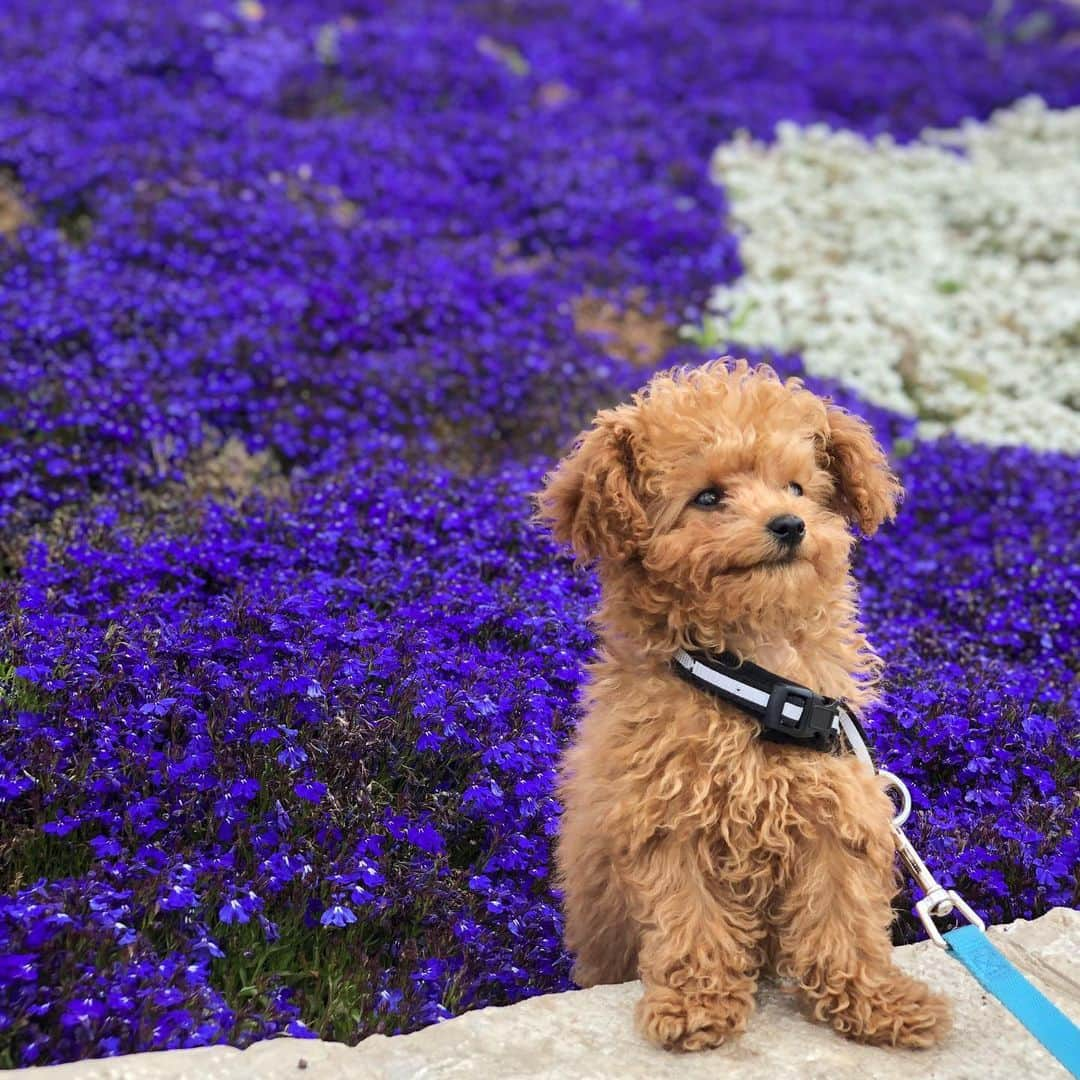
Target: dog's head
{"points": [[721, 495]]}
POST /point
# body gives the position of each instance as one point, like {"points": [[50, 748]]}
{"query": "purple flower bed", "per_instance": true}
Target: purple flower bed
{"points": [[278, 726]]}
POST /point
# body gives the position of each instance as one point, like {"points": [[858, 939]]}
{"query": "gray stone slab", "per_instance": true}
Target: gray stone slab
{"points": [[587, 1034]]}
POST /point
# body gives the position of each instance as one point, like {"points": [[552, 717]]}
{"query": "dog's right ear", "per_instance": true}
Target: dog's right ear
{"points": [[589, 500]]}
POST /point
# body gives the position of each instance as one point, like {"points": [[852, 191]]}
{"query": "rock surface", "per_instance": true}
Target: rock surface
{"points": [[590, 1034]]}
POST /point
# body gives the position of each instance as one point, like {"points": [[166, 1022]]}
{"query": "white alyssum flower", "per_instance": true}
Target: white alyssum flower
{"points": [[940, 278]]}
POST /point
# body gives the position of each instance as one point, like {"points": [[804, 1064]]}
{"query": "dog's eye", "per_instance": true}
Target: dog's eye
{"points": [[709, 498], [795, 489]]}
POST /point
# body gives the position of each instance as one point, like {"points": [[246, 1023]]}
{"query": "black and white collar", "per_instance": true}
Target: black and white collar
{"points": [[786, 711]]}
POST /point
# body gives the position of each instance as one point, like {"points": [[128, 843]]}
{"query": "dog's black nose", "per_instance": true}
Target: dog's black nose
{"points": [[787, 528]]}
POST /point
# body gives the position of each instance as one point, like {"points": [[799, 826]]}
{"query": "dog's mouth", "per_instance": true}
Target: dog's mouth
{"points": [[771, 565], [782, 558], [785, 558]]}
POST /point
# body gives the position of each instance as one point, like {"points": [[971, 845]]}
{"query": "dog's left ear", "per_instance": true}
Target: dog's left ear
{"points": [[867, 491]]}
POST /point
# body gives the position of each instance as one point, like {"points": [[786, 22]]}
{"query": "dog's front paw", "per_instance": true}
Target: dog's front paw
{"points": [[678, 1020], [903, 1012], [919, 1018]]}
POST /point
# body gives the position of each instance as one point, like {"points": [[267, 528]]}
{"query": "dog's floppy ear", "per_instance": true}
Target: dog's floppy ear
{"points": [[867, 491], [589, 499]]}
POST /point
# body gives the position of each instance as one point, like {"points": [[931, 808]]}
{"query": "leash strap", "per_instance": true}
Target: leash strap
{"points": [[856, 739], [1033, 1009]]}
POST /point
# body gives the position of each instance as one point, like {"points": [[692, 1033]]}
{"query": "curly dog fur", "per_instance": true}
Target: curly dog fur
{"points": [[691, 852]]}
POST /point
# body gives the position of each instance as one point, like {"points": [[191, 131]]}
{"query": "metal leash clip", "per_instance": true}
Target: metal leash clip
{"points": [[937, 901], [894, 783]]}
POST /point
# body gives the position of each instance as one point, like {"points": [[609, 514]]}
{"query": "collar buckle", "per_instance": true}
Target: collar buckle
{"points": [[787, 712], [788, 694]]}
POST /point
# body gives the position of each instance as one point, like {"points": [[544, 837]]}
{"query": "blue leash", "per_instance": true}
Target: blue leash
{"points": [[969, 944], [1034, 1010]]}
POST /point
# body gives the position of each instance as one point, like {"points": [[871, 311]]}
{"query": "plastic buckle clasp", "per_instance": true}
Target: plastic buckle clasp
{"points": [[784, 694]]}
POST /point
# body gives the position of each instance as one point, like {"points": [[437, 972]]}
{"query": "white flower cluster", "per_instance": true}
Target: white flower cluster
{"points": [[940, 278]]}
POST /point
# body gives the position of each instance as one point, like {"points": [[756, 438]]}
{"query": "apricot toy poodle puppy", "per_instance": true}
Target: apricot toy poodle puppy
{"points": [[695, 850]]}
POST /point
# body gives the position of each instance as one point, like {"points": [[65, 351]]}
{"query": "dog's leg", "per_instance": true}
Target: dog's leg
{"points": [[700, 951], [599, 931], [832, 937]]}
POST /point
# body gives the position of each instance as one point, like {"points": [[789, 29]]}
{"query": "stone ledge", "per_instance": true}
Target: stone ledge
{"points": [[590, 1034]]}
